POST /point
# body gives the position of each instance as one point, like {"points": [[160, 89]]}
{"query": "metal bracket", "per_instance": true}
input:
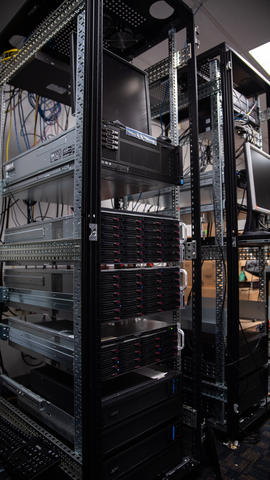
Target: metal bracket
{"points": [[265, 115], [160, 70], [181, 338], [189, 416], [204, 91], [183, 272], [2, 186], [182, 468], [182, 300], [191, 250], [183, 232], [4, 294], [4, 332], [197, 33], [181, 253], [93, 232], [182, 56]]}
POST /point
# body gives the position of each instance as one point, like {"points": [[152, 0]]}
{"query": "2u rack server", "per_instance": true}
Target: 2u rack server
{"points": [[124, 293], [131, 162], [134, 238], [124, 347], [138, 292], [129, 351], [122, 397]]}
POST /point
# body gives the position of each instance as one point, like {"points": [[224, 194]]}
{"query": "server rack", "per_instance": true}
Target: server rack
{"points": [[223, 76], [84, 249]]}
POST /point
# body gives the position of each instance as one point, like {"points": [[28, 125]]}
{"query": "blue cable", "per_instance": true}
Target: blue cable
{"points": [[48, 113], [54, 111], [22, 133], [24, 128], [197, 9]]}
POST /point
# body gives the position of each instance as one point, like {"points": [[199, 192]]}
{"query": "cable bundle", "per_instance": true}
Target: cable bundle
{"points": [[46, 113]]}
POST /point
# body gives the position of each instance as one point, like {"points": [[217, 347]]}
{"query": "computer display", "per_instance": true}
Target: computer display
{"points": [[125, 93], [258, 169]]}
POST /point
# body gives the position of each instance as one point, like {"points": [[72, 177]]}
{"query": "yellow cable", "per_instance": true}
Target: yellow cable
{"points": [[12, 50], [8, 54], [16, 104]]}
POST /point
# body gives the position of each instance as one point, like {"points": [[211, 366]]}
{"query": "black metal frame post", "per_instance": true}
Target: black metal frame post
{"points": [[268, 121], [267, 310], [90, 262], [196, 234], [233, 69], [232, 242]]}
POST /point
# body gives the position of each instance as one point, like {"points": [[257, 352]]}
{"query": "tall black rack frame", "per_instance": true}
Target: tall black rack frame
{"points": [[90, 265], [229, 61], [91, 394]]}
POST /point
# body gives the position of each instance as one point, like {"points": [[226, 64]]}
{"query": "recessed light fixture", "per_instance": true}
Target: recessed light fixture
{"points": [[262, 56], [161, 10]]}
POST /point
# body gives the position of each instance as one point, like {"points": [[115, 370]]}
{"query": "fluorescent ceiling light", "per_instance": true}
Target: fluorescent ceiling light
{"points": [[262, 56]]}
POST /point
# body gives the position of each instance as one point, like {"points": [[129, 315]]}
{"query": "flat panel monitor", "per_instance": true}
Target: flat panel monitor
{"points": [[258, 168], [125, 94]]}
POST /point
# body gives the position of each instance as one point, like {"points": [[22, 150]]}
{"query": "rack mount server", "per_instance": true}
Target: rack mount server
{"points": [[124, 347], [125, 237], [131, 162]]}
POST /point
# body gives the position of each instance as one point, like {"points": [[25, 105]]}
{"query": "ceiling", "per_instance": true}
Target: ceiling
{"points": [[243, 24]]}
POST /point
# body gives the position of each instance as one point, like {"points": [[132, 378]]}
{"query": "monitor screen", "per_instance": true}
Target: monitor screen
{"points": [[258, 167], [125, 93]]}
